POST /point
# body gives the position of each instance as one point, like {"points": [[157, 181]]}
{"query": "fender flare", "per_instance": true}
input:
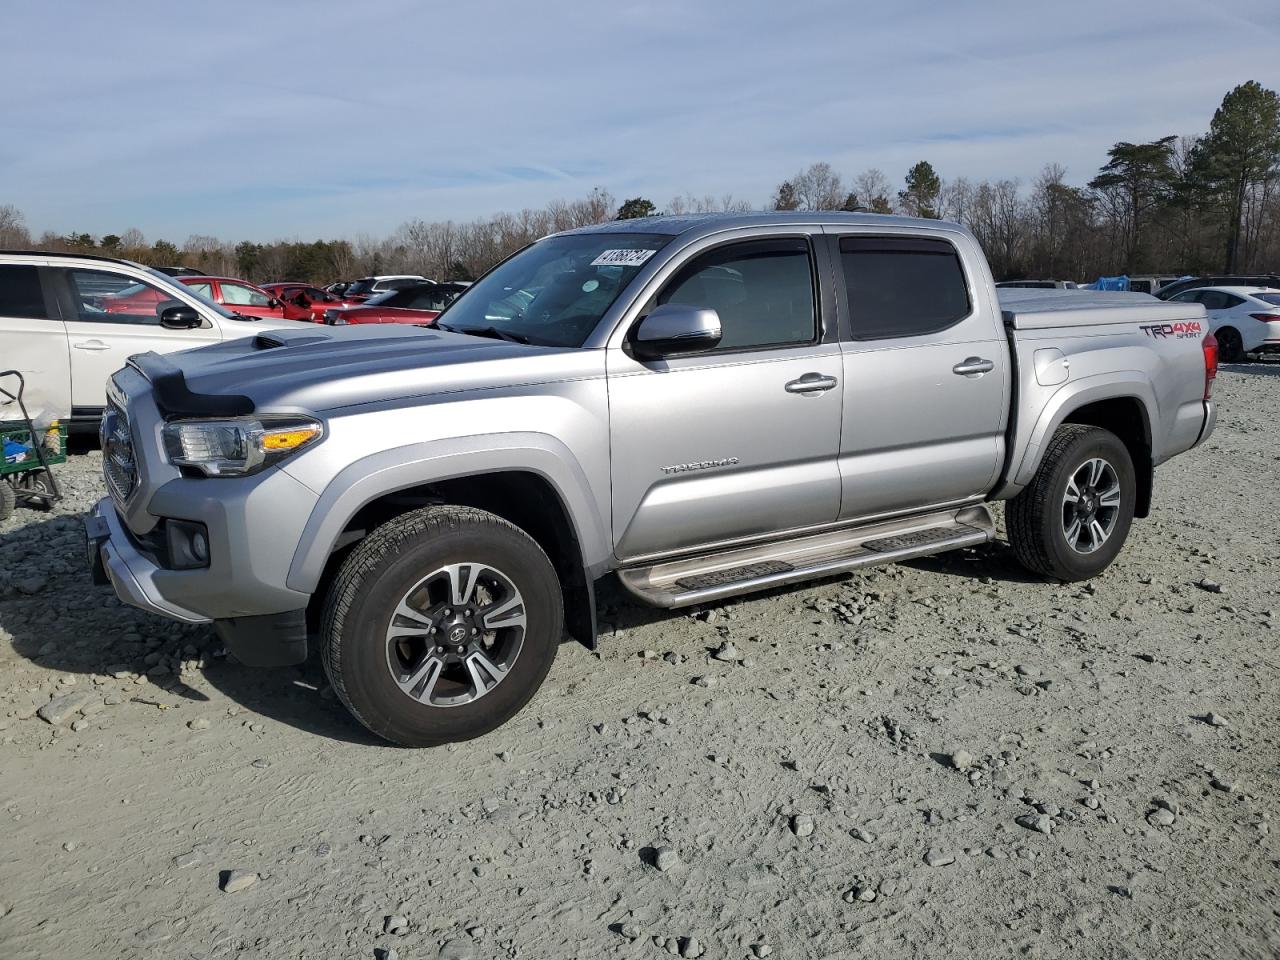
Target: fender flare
{"points": [[411, 465], [1124, 385]]}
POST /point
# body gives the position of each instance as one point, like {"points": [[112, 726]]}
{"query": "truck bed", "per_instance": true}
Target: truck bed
{"points": [[1041, 309]]}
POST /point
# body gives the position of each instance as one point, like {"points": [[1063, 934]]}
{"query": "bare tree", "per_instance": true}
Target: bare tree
{"points": [[13, 227], [818, 188], [872, 191]]}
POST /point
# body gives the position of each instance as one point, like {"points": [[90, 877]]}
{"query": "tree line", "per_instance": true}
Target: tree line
{"points": [[1175, 205]]}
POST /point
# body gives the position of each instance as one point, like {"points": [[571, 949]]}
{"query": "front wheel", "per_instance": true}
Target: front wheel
{"points": [[1073, 518], [441, 625]]}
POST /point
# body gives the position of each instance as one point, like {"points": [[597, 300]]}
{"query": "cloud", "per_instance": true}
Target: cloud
{"points": [[329, 119]]}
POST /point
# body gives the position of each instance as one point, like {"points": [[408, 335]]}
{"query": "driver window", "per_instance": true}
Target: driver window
{"points": [[101, 296], [238, 295], [762, 290]]}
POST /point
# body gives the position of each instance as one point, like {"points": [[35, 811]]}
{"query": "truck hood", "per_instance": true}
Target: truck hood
{"points": [[318, 369]]}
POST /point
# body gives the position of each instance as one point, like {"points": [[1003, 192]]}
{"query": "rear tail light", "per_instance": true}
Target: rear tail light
{"points": [[1210, 347], [1266, 317]]}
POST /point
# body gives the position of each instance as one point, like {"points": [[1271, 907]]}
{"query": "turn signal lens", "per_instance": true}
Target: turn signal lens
{"points": [[277, 440]]}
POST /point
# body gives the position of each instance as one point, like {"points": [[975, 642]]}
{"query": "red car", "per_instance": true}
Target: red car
{"points": [[237, 296], [307, 296], [420, 303]]}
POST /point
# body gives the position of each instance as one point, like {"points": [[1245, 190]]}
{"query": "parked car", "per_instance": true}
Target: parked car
{"points": [[366, 287], [420, 303], [236, 295], [1036, 285], [1244, 319], [1175, 287], [308, 297], [55, 330], [690, 404], [338, 287]]}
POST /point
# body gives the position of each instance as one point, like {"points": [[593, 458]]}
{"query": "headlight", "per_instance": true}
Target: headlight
{"points": [[237, 448]]}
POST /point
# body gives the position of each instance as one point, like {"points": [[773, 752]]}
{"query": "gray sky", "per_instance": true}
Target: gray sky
{"points": [[264, 120]]}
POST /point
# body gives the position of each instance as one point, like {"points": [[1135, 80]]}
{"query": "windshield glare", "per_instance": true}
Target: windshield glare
{"points": [[554, 292]]}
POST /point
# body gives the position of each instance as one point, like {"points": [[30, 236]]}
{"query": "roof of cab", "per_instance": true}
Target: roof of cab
{"points": [[705, 223]]}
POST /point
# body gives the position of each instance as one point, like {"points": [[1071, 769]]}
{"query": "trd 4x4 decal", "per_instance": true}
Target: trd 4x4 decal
{"points": [[1179, 330]]}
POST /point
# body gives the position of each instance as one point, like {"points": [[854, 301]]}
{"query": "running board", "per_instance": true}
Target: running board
{"points": [[677, 583]]}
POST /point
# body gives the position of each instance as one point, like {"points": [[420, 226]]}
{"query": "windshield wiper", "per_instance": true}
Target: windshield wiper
{"points": [[492, 333]]}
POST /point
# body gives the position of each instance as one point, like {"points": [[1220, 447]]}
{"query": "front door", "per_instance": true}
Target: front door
{"points": [[739, 441], [111, 316], [926, 376]]}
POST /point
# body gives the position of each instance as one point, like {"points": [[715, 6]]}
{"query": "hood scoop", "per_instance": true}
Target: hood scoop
{"points": [[269, 341]]}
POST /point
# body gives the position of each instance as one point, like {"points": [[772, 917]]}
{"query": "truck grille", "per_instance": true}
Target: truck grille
{"points": [[118, 466]]}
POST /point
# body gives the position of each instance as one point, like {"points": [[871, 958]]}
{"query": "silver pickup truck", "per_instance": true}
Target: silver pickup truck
{"points": [[702, 406]]}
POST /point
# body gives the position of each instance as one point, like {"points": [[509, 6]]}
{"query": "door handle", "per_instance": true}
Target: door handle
{"points": [[91, 345], [972, 366], [811, 383]]}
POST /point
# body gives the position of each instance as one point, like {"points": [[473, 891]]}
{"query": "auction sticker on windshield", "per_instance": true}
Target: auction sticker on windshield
{"points": [[622, 258]]}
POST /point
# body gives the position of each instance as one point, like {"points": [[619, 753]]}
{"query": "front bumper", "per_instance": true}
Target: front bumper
{"points": [[114, 559]]}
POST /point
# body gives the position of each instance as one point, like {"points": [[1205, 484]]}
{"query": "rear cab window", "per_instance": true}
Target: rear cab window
{"points": [[903, 286]]}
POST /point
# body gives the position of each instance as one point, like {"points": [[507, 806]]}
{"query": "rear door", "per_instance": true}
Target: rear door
{"points": [[925, 373], [102, 340], [33, 341], [723, 445]]}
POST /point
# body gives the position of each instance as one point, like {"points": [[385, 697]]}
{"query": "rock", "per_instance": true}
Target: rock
{"points": [[1226, 786], [865, 836], [59, 709], [1215, 720], [691, 947], [1039, 822], [490, 804], [1090, 802], [938, 858], [761, 950], [631, 931], [395, 924], [802, 825], [962, 759], [1026, 670], [1209, 586], [1161, 817], [726, 653], [455, 950], [233, 881], [665, 858], [862, 893], [199, 723], [30, 585], [386, 953], [188, 859]]}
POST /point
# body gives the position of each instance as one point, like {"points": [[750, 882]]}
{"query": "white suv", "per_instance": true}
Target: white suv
{"points": [[68, 321], [1244, 319]]}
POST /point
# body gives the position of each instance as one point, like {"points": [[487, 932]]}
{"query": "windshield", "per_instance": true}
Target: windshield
{"points": [[553, 292], [166, 281], [361, 287]]}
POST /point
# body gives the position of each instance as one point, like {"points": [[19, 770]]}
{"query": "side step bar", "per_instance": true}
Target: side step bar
{"points": [[677, 583]]}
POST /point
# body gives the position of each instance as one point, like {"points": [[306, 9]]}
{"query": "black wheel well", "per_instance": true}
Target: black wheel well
{"points": [[521, 497], [1126, 417]]}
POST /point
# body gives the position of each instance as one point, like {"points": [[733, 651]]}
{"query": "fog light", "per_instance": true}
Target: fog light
{"points": [[188, 544]]}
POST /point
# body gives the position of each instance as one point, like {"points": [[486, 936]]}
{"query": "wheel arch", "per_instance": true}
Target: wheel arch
{"points": [[1126, 408], [526, 479]]}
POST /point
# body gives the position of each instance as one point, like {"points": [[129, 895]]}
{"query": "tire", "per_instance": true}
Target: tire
{"points": [[1040, 518], [7, 499], [1230, 345], [36, 491], [379, 661]]}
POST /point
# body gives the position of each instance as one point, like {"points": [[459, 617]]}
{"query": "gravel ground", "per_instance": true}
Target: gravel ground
{"points": [[943, 758]]}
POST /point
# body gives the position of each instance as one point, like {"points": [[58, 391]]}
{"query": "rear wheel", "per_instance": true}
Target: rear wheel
{"points": [[1073, 518], [1230, 344], [441, 625]]}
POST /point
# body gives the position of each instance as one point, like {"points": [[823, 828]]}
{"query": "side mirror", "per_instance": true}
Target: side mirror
{"points": [[675, 329], [178, 316], [273, 302]]}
